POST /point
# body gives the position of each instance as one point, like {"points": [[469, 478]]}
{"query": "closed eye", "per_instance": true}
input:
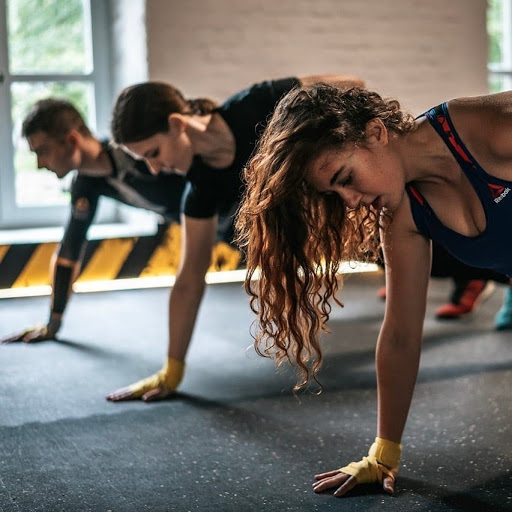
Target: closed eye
{"points": [[152, 153], [346, 181]]}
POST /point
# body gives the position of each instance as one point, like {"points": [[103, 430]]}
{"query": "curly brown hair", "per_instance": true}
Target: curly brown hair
{"points": [[296, 236]]}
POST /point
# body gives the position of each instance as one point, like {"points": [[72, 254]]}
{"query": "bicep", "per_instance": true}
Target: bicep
{"points": [[75, 233], [198, 238], [407, 257]]}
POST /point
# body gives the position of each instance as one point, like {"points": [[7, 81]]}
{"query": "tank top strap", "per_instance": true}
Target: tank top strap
{"points": [[440, 120]]}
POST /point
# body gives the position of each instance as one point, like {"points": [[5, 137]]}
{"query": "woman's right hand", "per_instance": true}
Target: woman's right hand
{"points": [[156, 387]]}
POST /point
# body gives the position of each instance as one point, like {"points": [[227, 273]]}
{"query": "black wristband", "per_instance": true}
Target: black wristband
{"points": [[61, 284]]}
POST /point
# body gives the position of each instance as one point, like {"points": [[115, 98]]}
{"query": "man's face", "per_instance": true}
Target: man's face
{"points": [[56, 155]]}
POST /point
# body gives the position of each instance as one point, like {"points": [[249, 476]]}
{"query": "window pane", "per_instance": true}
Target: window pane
{"points": [[495, 23], [40, 187], [499, 82], [49, 36], [495, 83]]}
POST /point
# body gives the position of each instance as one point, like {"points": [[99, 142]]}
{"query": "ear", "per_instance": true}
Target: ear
{"points": [[177, 123], [376, 133], [74, 137]]}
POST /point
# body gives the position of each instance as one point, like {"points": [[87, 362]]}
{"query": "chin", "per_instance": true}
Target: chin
{"points": [[62, 174]]}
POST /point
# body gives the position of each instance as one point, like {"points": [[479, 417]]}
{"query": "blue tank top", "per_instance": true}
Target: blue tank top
{"points": [[491, 249]]}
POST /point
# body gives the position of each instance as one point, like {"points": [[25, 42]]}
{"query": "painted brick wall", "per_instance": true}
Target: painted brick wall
{"points": [[418, 51]]}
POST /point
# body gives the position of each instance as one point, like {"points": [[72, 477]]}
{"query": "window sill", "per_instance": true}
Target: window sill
{"points": [[96, 232]]}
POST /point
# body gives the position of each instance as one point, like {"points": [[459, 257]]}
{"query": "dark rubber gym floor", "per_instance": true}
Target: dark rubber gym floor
{"points": [[235, 438]]}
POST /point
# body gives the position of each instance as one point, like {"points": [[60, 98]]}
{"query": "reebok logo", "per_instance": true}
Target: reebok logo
{"points": [[498, 192]]}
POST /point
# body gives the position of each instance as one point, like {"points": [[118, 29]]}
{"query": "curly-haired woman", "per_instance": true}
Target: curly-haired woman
{"points": [[332, 169]]}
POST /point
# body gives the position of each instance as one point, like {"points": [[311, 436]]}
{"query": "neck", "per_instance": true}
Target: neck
{"points": [[212, 139], [94, 160], [424, 154]]}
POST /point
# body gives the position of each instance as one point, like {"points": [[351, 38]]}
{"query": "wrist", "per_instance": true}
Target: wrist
{"points": [[386, 452], [54, 322], [173, 372]]}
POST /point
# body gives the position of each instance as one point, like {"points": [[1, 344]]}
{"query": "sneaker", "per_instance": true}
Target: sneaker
{"points": [[503, 318], [381, 293], [465, 299]]}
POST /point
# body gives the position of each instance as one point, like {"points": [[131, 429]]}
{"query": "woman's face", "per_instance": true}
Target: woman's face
{"points": [[359, 177], [169, 152], [369, 176]]}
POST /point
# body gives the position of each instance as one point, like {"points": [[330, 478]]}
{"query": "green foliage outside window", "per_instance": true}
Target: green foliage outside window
{"points": [[495, 31], [47, 36]]}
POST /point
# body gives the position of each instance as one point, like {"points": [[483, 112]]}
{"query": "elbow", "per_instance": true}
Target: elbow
{"points": [[396, 338], [189, 283]]}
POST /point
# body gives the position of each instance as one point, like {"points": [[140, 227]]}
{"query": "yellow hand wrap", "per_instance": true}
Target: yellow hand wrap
{"points": [[383, 457], [168, 378]]}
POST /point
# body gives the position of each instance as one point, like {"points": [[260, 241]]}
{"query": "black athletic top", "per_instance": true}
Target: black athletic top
{"points": [[131, 183], [204, 191], [208, 191], [211, 191]]}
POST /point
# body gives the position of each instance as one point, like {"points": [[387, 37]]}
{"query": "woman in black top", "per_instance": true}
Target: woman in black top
{"points": [[209, 145]]}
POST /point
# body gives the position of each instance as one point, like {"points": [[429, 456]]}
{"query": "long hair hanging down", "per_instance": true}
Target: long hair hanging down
{"points": [[296, 237]]}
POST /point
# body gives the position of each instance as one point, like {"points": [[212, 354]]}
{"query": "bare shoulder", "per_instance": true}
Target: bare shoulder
{"points": [[485, 125], [488, 107]]}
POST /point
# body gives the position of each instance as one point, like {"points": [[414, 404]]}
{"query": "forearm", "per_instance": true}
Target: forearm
{"points": [[184, 303], [64, 273], [397, 369]]}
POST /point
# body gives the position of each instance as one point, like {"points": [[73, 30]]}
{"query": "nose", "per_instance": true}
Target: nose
{"points": [[154, 166], [351, 197]]}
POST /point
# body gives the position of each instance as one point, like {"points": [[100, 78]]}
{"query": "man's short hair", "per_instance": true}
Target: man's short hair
{"points": [[55, 117]]}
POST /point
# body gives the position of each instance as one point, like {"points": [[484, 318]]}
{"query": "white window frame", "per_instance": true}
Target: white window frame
{"points": [[12, 215], [504, 68]]}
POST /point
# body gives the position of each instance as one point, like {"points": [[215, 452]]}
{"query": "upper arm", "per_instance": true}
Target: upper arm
{"points": [[499, 132], [343, 81], [83, 208], [197, 240], [407, 256]]}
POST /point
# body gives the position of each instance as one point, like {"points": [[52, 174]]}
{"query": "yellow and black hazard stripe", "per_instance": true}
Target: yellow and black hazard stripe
{"points": [[24, 265]]}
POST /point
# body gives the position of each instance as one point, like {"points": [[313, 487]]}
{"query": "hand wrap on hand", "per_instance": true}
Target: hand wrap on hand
{"points": [[42, 328], [168, 378], [383, 457]]}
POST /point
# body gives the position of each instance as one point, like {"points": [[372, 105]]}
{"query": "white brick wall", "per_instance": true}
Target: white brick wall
{"points": [[419, 51]]}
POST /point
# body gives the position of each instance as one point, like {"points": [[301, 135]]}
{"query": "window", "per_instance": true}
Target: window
{"points": [[47, 48], [499, 29]]}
